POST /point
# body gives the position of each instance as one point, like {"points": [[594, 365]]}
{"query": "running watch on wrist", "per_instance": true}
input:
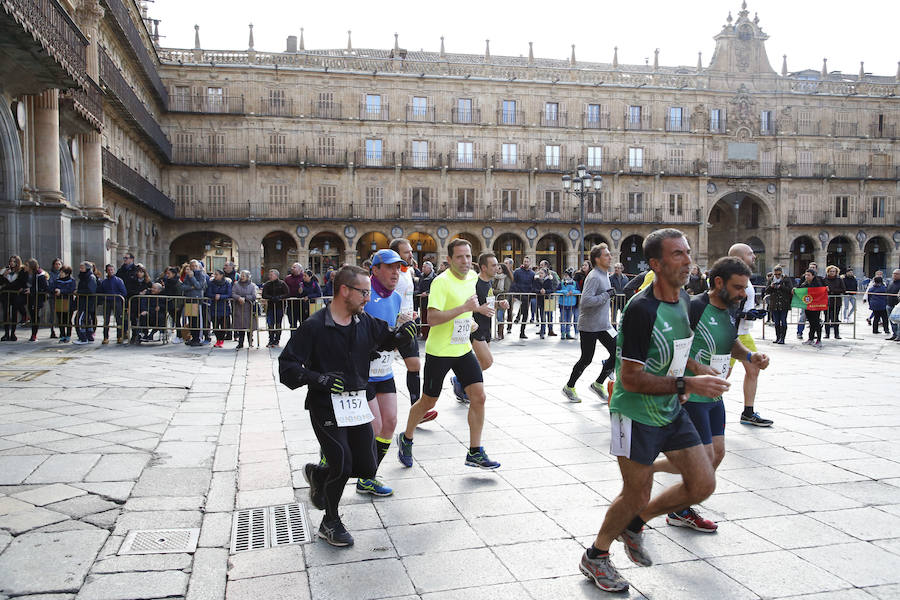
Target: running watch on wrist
{"points": [[680, 387]]}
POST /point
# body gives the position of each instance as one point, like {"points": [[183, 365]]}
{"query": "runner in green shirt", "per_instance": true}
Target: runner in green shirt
{"points": [[712, 316], [451, 302], [647, 419]]}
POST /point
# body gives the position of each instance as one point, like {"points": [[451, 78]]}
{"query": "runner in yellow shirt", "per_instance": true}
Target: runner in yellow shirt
{"points": [[451, 302]]}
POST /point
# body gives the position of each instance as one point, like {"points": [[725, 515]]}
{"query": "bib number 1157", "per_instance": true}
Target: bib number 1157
{"points": [[351, 408]]}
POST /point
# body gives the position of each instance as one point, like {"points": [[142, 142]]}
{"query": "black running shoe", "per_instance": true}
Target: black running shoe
{"points": [[335, 533], [756, 420], [315, 493]]}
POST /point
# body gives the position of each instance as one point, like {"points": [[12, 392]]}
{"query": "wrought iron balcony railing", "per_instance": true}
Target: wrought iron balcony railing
{"points": [[132, 184], [419, 114], [845, 129], [467, 161], [638, 123], [806, 128], [325, 157], [558, 119], [466, 116], [421, 160], [87, 103], [127, 28], [373, 112], [510, 117], [276, 107], [207, 104], [370, 159], [883, 130], [131, 106], [591, 120], [211, 156], [678, 124], [325, 110], [277, 155], [48, 24]]}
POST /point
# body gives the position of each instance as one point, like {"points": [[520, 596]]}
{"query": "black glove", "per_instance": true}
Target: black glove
{"points": [[333, 383], [406, 333]]}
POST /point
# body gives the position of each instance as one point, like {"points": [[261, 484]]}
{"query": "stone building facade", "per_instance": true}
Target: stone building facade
{"points": [[321, 156]]}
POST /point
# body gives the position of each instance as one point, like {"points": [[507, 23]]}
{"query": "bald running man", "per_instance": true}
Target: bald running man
{"points": [[746, 317]]}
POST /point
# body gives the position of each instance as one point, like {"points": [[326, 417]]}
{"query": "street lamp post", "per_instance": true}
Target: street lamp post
{"points": [[580, 185]]}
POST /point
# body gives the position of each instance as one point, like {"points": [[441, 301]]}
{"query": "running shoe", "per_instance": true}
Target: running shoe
{"points": [[372, 486], [315, 494], [634, 547], [458, 390], [602, 572], [431, 415], [755, 419], [691, 519], [335, 533], [597, 388], [809, 342], [404, 450], [818, 344], [570, 394], [480, 459]]}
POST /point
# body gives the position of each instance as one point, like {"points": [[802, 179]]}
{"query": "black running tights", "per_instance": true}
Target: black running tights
{"points": [[589, 341]]}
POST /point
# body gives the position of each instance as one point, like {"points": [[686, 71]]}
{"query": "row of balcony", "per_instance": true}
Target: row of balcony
{"points": [[87, 103], [63, 48], [135, 186], [878, 130], [830, 217], [317, 157], [432, 210], [131, 106], [128, 30]]}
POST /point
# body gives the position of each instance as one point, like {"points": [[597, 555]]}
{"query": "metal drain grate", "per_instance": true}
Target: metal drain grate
{"points": [[160, 541], [268, 526]]}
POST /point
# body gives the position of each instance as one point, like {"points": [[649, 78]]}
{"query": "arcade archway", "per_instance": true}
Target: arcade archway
{"points": [[509, 245], [213, 248]]}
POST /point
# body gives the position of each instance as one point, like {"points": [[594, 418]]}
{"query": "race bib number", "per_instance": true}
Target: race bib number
{"points": [[680, 351], [351, 408], [381, 366], [720, 363], [462, 329]]}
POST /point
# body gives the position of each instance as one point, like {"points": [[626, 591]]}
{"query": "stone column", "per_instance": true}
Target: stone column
{"points": [[91, 171], [572, 257], [46, 146], [252, 261], [350, 254]]}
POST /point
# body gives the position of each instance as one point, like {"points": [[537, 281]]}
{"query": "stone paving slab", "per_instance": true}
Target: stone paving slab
{"points": [[808, 508]]}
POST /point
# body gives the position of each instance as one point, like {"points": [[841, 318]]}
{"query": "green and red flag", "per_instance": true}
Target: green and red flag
{"points": [[814, 298]]}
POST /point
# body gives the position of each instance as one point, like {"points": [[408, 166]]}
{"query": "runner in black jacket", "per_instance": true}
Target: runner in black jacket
{"points": [[330, 353]]}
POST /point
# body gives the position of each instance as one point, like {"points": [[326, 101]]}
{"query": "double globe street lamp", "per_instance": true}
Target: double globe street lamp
{"points": [[580, 184]]}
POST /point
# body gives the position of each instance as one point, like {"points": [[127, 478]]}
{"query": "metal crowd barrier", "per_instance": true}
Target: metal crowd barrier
{"points": [[63, 311], [796, 316]]}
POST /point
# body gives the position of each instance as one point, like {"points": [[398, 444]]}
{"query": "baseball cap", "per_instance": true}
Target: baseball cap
{"points": [[387, 257]]}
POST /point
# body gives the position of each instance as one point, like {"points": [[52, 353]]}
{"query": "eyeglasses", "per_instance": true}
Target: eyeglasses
{"points": [[365, 293]]}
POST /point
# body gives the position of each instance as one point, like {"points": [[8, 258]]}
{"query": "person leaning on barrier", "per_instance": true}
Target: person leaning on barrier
{"points": [[218, 290], [35, 294], [836, 290], [174, 307], [274, 292], [618, 280], [151, 311], [330, 354], [194, 286], [545, 287], [140, 287], [308, 293], [14, 279], [111, 286], [294, 282], [231, 273], [244, 293], [878, 305], [780, 292], [85, 311], [53, 275], [852, 286], [62, 290], [523, 279]]}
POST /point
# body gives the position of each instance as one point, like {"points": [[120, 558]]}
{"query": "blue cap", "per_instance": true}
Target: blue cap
{"points": [[387, 257]]}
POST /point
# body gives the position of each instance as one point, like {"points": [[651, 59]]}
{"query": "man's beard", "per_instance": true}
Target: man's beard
{"points": [[727, 299]]}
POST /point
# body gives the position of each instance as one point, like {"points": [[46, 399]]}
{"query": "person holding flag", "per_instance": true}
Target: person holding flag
{"points": [[812, 296]]}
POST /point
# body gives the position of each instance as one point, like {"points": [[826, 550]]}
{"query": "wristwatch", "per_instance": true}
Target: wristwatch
{"points": [[680, 387]]}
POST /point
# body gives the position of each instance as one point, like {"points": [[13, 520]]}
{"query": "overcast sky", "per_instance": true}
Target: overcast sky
{"points": [[805, 30]]}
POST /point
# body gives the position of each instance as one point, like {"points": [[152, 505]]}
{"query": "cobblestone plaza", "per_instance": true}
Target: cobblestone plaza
{"points": [[98, 441]]}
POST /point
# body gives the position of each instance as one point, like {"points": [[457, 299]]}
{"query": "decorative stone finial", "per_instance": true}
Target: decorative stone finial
{"points": [[349, 43], [699, 61], [397, 42], [196, 37], [487, 49], [756, 19], [250, 41], [572, 58], [784, 70], [729, 19], [302, 45], [824, 68], [615, 57], [656, 59], [862, 70], [530, 53], [442, 47]]}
